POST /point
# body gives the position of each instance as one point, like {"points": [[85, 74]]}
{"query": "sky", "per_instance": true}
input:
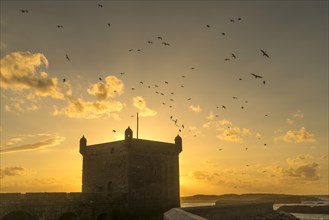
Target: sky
{"points": [[74, 68]]}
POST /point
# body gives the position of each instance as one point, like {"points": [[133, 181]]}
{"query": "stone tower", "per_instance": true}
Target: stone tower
{"points": [[141, 174]]}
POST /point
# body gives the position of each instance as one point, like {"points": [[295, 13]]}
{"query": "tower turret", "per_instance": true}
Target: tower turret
{"points": [[83, 144], [128, 134], [178, 143]]}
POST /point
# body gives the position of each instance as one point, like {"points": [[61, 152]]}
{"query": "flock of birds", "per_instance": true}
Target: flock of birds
{"points": [[157, 87]]}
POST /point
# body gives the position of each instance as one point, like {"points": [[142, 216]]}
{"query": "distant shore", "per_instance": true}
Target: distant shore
{"points": [[275, 198]]}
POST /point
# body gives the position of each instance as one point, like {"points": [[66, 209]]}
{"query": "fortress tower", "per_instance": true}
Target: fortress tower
{"points": [[141, 174]]}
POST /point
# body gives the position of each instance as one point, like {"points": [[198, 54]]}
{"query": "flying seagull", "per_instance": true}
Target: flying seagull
{"points": [[24, 11], [256, 76], [265, 54], [233, 55], [99, 5], [67, 57], [160, 38], [60, 26]]}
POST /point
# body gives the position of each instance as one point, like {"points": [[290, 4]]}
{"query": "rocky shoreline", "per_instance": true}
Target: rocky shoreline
{"points": [[305, 209]]}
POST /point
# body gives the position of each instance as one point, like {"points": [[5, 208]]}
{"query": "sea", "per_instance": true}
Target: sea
{"points": [[276, 206]]}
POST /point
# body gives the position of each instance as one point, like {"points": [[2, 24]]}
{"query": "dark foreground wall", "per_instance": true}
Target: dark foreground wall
{"points": [[237, 211]]}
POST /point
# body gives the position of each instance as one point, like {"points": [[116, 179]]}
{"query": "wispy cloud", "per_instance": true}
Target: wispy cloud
{"points": [[195, 108], [297, 137], [204, 175], [79, 108], [22, 71], [11, 171], [234, 134], [16, 144], [108, 89], [211, 116], [140, 104], [298, 114]]}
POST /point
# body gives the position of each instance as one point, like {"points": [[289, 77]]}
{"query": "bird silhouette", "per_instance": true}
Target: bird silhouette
{"points": [[131, 50], [256, 76], [141, 82], [64, 80], [264, 82], [24, 11], [114, 130], [240, 78], [234, 97], [223, 34], [220, 149], [239, 19], [100, 79], [227, 59], [99, 5], [265, 54], [223, 106], [132, 88], [122, 73], [108, 24], [192, 68], [189, 99], [67, 57], [183, 76], [160, 38], [165, 43], [59, 26], [233, 55], [231, 20], [208, 26], [138, 49], [166, 82], [150, 42], [242, 107]]}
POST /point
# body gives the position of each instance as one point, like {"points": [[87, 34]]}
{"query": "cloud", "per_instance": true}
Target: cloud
{"points": [[111, 88], [15, 145], [195, 131], [217, 124], [204, 176], [22, 71], [11, 171], [234, 134], [297, 136], [302, 167], [290, 121], [140, 104], [78, 108], [211, 116], [195, 108], [298, 114]]}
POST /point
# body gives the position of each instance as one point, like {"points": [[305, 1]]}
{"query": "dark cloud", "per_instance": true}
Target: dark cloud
{"points": [[49, 142], [11, 171]]}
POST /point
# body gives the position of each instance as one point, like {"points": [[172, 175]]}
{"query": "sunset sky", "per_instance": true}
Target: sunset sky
{"points": [[167, 59]]}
